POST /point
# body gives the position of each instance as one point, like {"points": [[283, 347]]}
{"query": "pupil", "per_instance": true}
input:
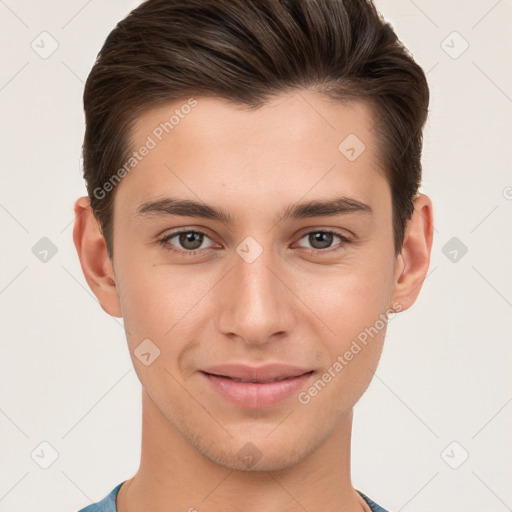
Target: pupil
{"points": [[188, 238], [323, 239]]}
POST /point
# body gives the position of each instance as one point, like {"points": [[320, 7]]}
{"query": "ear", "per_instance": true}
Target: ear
{"points": [[414, 259], [93, 255]]}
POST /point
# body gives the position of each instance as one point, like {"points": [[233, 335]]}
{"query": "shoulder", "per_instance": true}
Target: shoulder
{"points": [[107, 504], [373, 506]]}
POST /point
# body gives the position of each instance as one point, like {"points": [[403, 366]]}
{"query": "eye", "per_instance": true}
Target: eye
{"points": [[322, 239], [191, 241]]}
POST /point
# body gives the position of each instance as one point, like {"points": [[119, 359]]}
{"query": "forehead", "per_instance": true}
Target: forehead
{"points": [[297, 144]]}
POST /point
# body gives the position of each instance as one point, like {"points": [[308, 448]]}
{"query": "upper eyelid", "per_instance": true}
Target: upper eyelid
{"points": [[179, 232], [166, 238], [203, 232], [344, 238]]}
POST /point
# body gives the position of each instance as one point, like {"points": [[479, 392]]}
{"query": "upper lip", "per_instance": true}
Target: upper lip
{"points": [[259, 373]]}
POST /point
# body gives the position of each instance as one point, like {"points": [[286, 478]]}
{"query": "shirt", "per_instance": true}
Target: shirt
{"points": [[108, 503]]}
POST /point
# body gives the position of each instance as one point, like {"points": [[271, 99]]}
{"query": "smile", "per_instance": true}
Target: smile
{"points": [[256, 394]]}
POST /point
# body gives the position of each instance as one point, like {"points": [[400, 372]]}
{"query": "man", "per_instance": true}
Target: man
{"points": [[253, 215]]}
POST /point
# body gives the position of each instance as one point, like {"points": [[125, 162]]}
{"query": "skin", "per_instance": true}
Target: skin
{"points": [[288, 305]]}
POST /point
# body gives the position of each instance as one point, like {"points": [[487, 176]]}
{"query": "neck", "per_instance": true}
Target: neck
{"points": [[174, 475]]}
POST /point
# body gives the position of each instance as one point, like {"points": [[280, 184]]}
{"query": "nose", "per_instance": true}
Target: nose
{"points": [[255, 303]]}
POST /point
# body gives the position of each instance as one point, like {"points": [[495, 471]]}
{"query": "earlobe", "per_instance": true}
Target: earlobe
{"points": [[414, 260], [93, 256]]}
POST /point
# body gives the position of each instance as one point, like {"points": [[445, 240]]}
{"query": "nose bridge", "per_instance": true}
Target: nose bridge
{"points": [[254, 302]]}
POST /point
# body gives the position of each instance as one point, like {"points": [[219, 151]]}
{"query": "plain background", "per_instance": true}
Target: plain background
{"points": [[443, 387]]}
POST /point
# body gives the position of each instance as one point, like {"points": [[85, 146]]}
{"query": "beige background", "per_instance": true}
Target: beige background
{"points": [[66, 375]]}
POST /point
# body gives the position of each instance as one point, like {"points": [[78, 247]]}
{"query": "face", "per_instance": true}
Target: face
{"points": [[269, 282]]}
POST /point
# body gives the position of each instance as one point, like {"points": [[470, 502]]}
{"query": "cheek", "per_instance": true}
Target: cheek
{"points": [[157, 314], [353, 309], [160, 302], [352, 298], [353, 306]]}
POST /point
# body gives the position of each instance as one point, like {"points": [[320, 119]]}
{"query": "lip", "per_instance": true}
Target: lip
{"points": [[256, 395], [247, 372]]}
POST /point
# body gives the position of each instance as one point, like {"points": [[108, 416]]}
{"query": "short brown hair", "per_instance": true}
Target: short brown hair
{"points": [[247, 51]]}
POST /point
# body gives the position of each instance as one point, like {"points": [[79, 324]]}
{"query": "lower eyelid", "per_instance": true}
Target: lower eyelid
{"points": [[166, 240]]}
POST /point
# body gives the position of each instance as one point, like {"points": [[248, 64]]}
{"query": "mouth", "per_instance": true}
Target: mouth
{"points": [[270, 372], [255, 381], [256, 393]]}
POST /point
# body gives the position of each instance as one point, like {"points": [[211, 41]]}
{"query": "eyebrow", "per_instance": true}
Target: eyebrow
{"points": [[190, 208]]}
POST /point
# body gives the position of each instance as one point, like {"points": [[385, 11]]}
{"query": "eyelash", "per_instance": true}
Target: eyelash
{"points": [[165, 242]]}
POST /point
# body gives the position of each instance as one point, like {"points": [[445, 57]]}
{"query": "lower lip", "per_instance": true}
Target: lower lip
{"points": [[256, 395]]}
